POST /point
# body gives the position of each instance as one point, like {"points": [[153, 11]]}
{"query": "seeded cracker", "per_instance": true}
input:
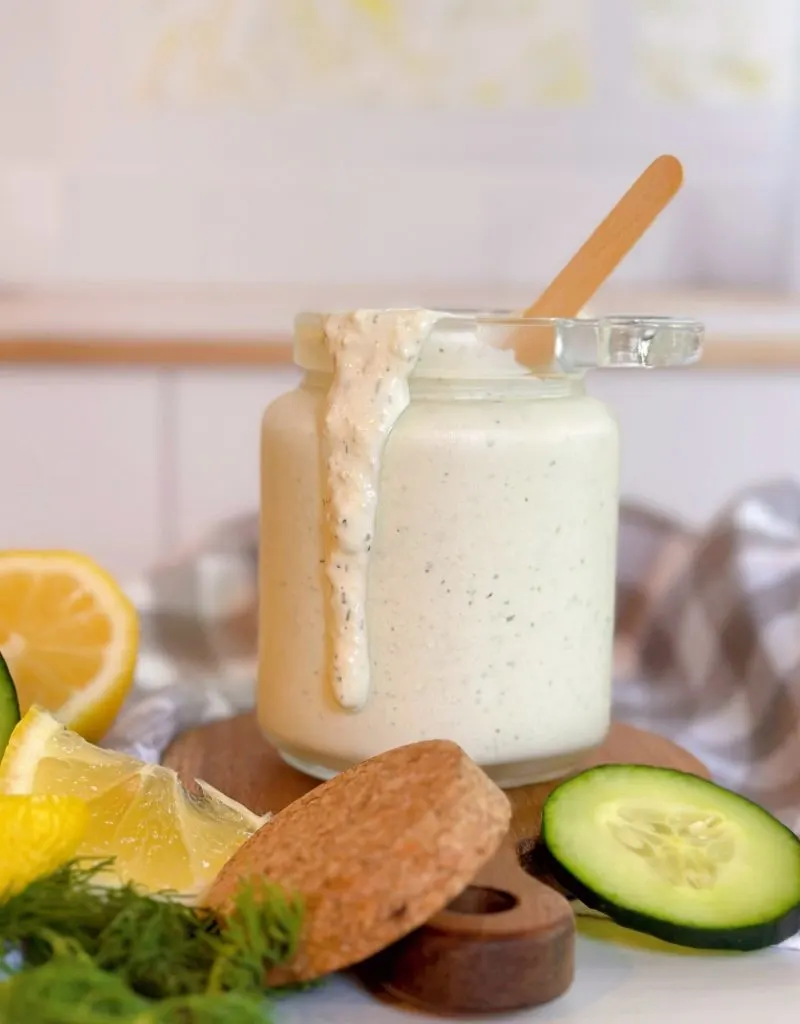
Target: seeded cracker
{"points": [[374, 853]]}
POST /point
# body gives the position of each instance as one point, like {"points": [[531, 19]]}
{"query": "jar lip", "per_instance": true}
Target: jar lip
{"points": [[501, 342], [512, 318]]}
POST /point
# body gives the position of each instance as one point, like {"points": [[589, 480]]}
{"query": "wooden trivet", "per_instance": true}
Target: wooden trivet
{"points": [[234, 756]]}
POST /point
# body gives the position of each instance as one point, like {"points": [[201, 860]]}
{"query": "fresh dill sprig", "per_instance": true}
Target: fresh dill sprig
{"points": [[69, 992], [90, 949], [252, 940]]}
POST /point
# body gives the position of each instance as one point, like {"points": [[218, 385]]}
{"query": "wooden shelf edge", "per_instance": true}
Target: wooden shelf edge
{"points": [[275, 351], [270, 351]]}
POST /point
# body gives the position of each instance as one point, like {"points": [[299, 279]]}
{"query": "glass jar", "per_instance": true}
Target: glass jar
{"points": [[484, 588]]}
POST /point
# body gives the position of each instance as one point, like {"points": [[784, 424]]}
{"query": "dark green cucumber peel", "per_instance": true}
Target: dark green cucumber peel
{"points": [[9, 705], [747, 900], [744, 939]]}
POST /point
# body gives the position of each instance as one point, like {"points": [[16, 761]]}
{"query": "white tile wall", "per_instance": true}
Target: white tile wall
{"points": [[29, 80], [99, 185], [81, 464], [132, 468], [690, 439], [217, 421]]}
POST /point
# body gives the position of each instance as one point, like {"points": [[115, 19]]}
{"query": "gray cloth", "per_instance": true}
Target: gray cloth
{"points": [[707, 643]]}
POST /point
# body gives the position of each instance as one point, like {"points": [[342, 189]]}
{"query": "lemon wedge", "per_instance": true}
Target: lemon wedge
{"points": [[37, 835], [69, 635], [161, 835]]}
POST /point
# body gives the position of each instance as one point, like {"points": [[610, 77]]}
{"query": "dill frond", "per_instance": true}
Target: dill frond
{"points": [[94, 953]]}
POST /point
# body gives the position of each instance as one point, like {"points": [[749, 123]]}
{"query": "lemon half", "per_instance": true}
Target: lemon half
{"points": [[69, 635]]}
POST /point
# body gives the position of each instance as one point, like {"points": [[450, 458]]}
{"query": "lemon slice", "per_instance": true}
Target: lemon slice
{"points": [[69, 635], [161, 835], [37, 835]]}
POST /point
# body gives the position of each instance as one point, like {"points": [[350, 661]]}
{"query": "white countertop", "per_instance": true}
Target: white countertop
{"points": [[614, 983]]}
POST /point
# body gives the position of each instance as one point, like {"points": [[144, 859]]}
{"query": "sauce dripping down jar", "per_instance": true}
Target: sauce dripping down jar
{"points": [[438, 538]]}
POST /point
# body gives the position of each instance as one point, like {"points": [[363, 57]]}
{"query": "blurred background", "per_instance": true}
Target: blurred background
{"points": [[179, 177]]}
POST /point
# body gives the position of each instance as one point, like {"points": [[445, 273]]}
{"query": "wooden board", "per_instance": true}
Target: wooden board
{"points": [[409, 865], [506, 943], [234, 756]]}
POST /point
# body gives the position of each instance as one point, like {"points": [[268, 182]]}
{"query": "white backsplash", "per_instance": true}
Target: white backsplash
{"points": [[325, 141], [396, 149], [133, 465]]}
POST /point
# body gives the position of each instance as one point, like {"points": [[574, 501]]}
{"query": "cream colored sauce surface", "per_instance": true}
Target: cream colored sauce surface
{"points": [[482, 603], [373, 354]]}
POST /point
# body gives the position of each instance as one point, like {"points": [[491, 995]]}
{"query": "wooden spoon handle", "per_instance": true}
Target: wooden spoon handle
{"points": [[612, 239], [597, 258], [505, 943]]}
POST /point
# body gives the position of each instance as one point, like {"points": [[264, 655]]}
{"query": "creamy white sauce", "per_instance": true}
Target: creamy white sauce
{"points": [[492, 566], [373, 354]]}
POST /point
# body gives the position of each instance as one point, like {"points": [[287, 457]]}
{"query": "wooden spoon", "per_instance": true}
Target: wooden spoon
{"points": [[597, 258]]}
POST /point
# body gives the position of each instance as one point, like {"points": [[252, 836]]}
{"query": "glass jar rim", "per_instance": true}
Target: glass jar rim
{"points": [[511, 318], [578, 343]]}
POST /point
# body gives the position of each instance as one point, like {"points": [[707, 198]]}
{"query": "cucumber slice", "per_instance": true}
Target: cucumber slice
{"points": [[9, 705], [673, 855]]}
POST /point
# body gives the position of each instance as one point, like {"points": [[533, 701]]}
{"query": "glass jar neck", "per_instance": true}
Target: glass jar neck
{"points": [[513, 388]]}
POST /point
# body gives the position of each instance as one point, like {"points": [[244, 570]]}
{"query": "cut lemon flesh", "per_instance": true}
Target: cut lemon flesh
{"points": [[37, 835], [161, 835], [69, 635]]}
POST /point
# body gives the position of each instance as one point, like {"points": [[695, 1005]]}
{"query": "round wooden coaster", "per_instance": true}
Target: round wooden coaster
{"points": [[234, 756], [375, 852]]}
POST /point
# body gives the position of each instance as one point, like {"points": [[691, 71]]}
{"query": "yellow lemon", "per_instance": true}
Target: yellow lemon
{"points": [[37, 835], [161, 835], [69, 636]]}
